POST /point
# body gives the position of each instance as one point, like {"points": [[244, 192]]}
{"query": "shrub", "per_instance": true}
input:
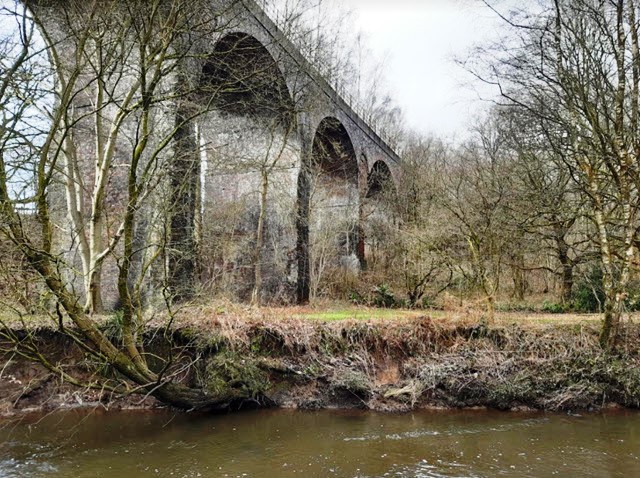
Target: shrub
{"points": [[235, 376], [515, 307], [356, 298], [383, 297], [112, 327], [353, 381], [553, 307], [588, 295], [633, 299]]}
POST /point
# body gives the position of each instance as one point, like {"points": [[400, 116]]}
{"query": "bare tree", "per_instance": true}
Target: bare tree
{"points": [[475, 193], [408, 232], [548, 207], [573, 65], [116, 72]]}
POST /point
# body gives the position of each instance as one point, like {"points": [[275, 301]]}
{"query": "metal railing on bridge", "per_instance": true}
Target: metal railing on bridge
{"points": [[281, 21]]}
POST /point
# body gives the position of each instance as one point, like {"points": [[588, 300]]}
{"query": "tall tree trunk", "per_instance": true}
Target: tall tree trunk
{"points": [[491, 308], [361, 246], [257, 285], [519, 277], [519, 284], [96, 246], [566, 293], [182, 248], [562, 251], [94, 304], [611, 318], [302, 228]]}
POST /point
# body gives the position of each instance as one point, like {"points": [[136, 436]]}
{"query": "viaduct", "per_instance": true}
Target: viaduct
{"points": [[278, 127]]}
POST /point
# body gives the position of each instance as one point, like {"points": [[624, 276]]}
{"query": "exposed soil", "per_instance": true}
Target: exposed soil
{"points": [[383, 365]]}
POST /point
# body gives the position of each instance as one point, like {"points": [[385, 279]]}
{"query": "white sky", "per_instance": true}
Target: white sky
{"points": [[419, 39]]}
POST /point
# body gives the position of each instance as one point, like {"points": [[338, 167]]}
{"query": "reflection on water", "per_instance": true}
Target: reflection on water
{"points": [[321, 444]]}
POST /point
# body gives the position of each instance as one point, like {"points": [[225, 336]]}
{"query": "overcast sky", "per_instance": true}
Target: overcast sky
{"points": [[419, 39]]}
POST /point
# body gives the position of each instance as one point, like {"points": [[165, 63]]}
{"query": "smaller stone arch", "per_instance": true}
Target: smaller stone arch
{"points": [[334, 152], [335, 200], [379, 181], [378, 207]]}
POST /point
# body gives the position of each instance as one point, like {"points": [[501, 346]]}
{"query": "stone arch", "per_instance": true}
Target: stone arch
{"points": [[378, 209], [379, 180], [249, 147], [333, 151], [335, 200], [242, 78]]}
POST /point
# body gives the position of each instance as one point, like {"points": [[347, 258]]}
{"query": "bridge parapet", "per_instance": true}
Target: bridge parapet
{"points": [[273, 20]]}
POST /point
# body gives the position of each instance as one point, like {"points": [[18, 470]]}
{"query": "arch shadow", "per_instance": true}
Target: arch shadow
{"points": [[380, 181], [333, 151], [240, 77]]}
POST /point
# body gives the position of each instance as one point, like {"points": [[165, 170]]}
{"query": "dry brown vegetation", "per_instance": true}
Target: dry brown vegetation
{"points": [[275, 356], [421, 362]]}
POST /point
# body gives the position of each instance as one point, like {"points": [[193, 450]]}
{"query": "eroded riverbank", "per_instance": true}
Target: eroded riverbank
{"points": [[379, 365]]}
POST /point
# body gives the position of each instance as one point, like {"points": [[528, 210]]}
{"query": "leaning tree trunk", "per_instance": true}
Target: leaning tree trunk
{"points": [[128, 362]]}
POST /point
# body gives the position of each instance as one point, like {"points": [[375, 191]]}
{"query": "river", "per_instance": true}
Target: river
{"points": [[276, 443]]}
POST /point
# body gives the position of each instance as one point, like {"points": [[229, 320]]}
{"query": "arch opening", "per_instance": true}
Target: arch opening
{"points": [[378, 209], [333, 152], [249, 154], [379, 181], [242, 78], [334, 207]]}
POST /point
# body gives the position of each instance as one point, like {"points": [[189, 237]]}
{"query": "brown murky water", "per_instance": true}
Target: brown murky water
{"points": [[321, 444]]}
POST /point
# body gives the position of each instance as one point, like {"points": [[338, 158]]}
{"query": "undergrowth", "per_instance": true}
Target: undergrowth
{"points": [[558, 367], [400, 364]]}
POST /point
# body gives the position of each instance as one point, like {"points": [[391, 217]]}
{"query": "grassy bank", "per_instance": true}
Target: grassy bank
{"points": [[319, 360]]}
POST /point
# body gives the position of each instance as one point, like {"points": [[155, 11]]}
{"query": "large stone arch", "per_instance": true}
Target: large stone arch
{"points": [[244, 78], [249, 145]]}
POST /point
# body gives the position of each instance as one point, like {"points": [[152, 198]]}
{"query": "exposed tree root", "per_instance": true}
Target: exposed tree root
{"points": [[230, 363]]}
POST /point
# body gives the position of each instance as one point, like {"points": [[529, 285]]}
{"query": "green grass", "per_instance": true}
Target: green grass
{"points": [[358, 314], [345, 312]]}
